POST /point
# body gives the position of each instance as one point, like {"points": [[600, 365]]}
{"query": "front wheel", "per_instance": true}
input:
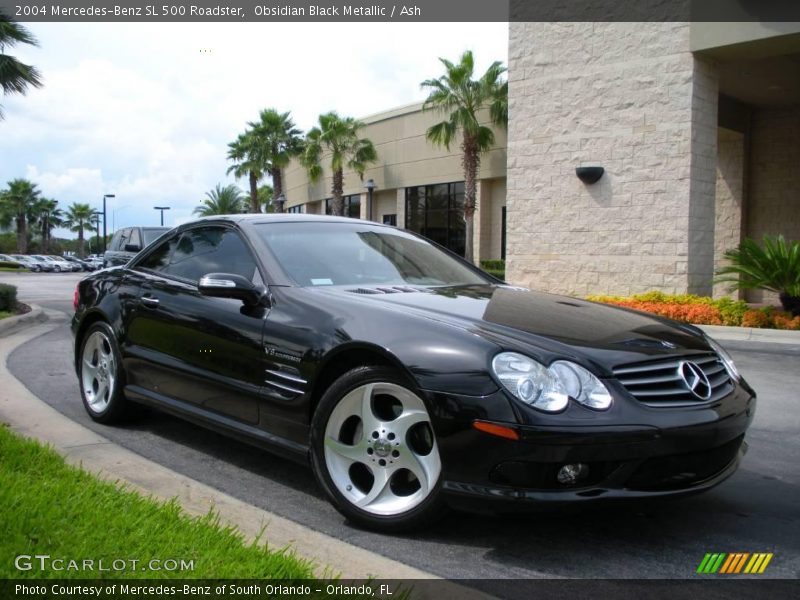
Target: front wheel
{"points": [[374, 451], [100, 375], [57, 269]]}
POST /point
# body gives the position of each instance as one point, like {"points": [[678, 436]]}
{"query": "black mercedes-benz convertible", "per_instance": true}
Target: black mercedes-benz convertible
{"points": [[409, 379]]}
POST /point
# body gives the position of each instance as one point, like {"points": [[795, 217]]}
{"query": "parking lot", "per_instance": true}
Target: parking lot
{"points": [[757, 510]]}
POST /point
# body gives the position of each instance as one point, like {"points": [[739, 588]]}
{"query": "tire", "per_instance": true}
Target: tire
{"points": [[57, 269], [374, 452], [100, 376]]}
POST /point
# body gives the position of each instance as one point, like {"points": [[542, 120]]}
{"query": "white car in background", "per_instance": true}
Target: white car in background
{"points": [[59, 264]]}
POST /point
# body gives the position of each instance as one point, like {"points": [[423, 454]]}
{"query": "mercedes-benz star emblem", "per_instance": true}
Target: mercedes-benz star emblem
{"points": [[695, 380]]}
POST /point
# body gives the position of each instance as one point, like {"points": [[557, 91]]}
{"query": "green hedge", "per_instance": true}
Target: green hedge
{"points": [[8, 297], [497, 268], [4, 264]]}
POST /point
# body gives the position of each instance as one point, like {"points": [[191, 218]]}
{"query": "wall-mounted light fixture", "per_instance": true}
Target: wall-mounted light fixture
{"points": [[589, 175]]}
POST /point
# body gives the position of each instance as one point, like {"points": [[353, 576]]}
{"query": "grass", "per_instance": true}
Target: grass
{"points": [[49, 507], [4, 314]]}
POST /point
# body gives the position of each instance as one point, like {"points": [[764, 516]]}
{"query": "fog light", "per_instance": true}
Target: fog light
{"points": [[573, 473]]}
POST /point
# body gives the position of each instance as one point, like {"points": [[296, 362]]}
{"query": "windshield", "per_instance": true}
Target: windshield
{"points": [[318, 254], [151, 235]]}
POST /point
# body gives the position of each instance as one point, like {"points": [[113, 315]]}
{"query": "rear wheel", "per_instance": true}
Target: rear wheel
{"points": [[57, 269], [101, 377], [374, 451]]}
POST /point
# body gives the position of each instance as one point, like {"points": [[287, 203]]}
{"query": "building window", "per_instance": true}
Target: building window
{"points": [[437, 212], [298, 208], [352, 206], [390, 220]]}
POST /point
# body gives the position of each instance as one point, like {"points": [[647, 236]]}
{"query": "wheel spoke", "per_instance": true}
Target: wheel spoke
{"points": [[352, 453], [89, 369], [407, 420], [379, 486], [368, 418], [425, 468]]}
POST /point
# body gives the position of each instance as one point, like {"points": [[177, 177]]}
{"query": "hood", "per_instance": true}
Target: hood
{"points": [[498, 311]]}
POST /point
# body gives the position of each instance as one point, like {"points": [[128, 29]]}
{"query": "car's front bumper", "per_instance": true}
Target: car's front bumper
{"points": [[669, 454]]}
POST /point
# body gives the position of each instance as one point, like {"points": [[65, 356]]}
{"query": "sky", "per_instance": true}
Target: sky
{"points": [[145, 110]]}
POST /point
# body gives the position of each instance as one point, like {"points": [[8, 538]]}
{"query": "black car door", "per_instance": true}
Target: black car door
{"points": [[186, 348]]}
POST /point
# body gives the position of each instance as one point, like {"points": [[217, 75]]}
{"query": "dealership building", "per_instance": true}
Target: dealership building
{"points": [[696, 127]]}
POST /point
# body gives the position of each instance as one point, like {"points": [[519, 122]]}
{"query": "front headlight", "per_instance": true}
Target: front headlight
{"points": [[726, 359], [549, 389]]}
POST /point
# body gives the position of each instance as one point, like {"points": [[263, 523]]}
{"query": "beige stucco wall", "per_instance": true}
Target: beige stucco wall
{"points": [[632, 98], [774, 192], [405, 158]]}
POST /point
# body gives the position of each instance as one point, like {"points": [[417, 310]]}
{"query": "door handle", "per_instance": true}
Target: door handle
{"points": [[149, 301]]}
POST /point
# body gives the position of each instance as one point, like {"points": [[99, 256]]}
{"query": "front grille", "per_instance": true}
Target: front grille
{"points": [[661, 383], [682, 470]]}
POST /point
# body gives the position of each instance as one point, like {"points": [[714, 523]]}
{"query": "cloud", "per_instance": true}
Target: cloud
{"points": [[139, 111]]}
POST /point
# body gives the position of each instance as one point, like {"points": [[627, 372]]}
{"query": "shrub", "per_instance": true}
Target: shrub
{"points": [[497, 265], [775, 268], [8, 297], [786, 321], [756, 318], [4, 264]]}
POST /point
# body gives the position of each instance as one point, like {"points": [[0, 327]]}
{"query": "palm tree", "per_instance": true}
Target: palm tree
{"points": [[266, 195], [16, 203], [278, 140], [79, 219], [245, 152], [48, 217], [226, 200], [338, 136], [15, 77], [462, 98]]}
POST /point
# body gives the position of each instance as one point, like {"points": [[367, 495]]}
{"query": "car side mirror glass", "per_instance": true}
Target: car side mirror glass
{"points": [[132, 247], [229, 285]]}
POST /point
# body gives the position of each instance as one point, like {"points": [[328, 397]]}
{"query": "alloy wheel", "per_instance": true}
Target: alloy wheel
{"points": [[98, 371], [380, 450]]}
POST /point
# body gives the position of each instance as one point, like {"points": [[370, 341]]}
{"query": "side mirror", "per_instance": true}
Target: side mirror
{"points": [[132, 247], [228, 285]]}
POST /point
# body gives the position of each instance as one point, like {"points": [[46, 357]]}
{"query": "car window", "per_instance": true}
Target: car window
{"points": [[210, 250], [134, 238], [158, 259], [151, 235]]}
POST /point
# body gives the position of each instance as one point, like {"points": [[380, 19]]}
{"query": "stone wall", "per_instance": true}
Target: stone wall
{"points": [[629, 97], [730, 199]]}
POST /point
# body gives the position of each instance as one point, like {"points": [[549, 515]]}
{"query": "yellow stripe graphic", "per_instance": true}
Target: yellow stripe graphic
{"points": [[758, 563], [765, 563], [751, 564]]}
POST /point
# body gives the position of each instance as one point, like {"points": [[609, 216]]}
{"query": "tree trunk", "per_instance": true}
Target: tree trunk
{"points": [[337, 207], [254, 204], [471, 162], [80, 240], [22, 234], [790, 304], [45, 236], [277, 187]]}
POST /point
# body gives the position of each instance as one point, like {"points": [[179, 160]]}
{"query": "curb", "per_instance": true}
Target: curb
{"points": [[751, 334], [28, 415], [12, 324]]}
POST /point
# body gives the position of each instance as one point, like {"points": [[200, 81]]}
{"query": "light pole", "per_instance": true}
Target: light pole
{"points": [[370, 185], [279, 202], [104, 219], [162, 209]]}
